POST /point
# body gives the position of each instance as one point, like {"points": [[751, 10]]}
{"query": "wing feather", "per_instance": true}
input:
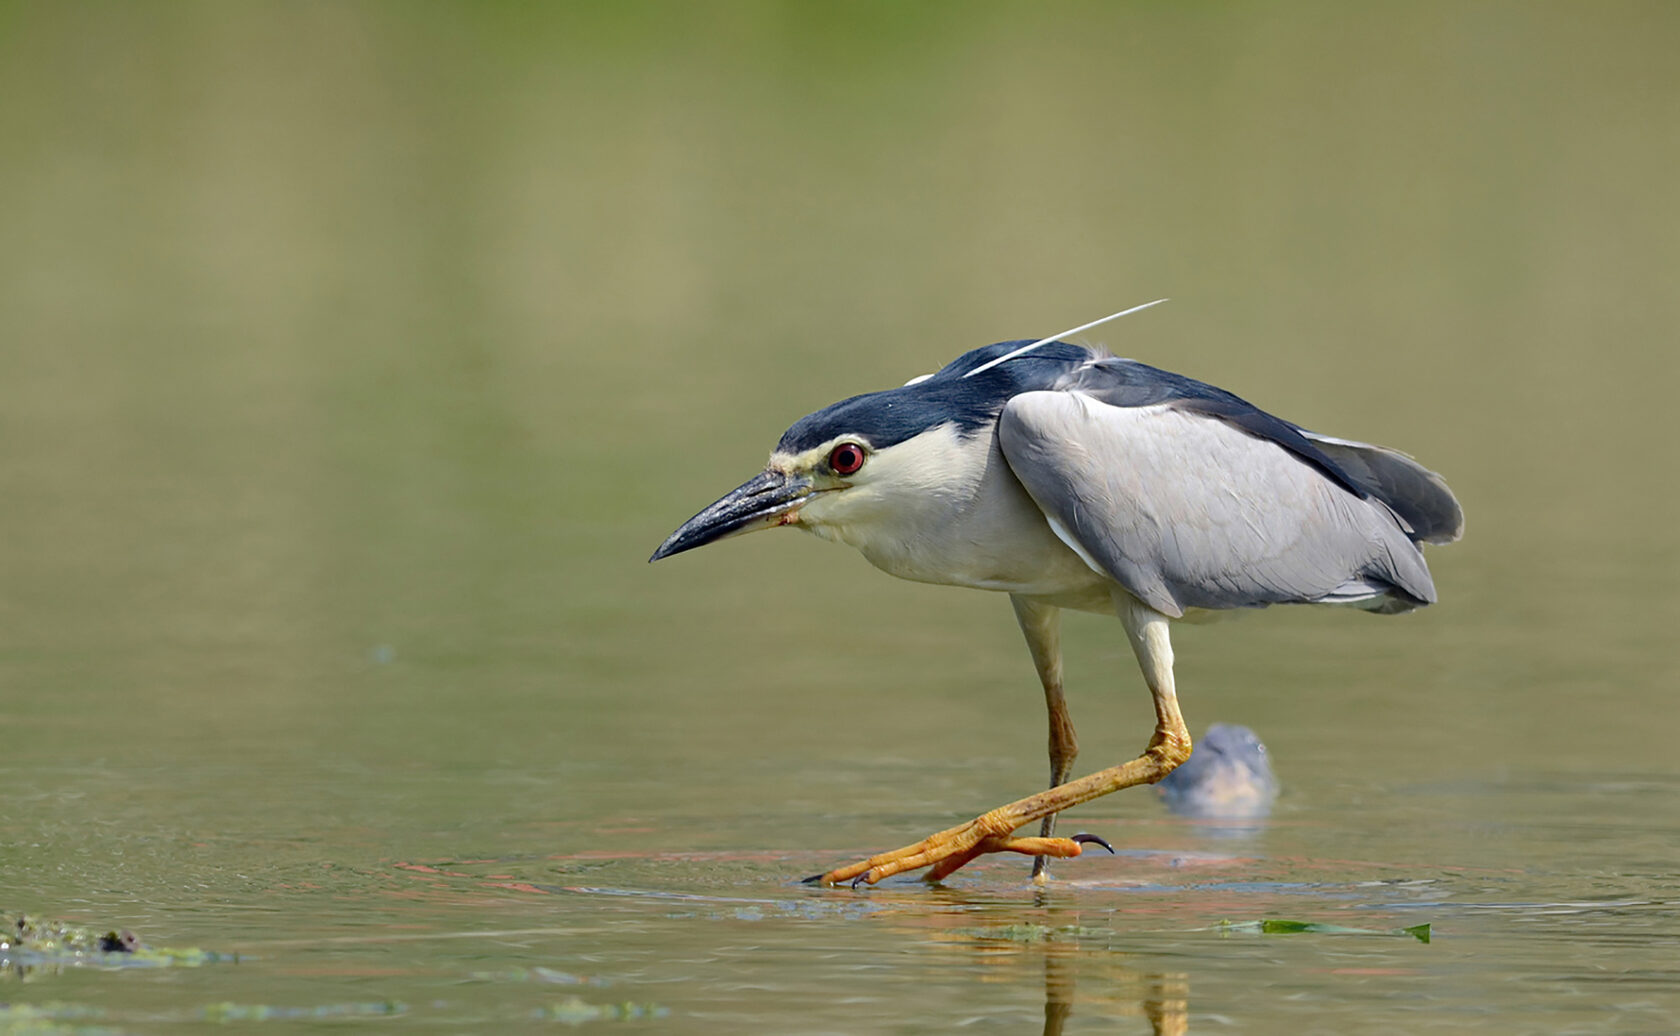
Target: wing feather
{"points": [[1187, 510], [1419, 496]]}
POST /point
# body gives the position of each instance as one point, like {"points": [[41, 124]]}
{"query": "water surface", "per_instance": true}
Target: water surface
{"points": [[353, 358]]}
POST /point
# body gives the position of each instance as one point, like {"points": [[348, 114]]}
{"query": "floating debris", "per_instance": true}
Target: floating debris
{"points": [[574, 1011], [550, 976], [228, 1012], [1228, 776], [58, 937], [47, 1017], [1030, 933], [1274, 926], [29, 944]]}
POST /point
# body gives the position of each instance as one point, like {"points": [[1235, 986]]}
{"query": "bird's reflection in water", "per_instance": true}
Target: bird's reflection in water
{"points": [[1083, 973], [1160, 996]]}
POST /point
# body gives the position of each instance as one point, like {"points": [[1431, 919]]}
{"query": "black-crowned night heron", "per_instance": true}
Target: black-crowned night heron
{"points": [[1069, 478]]}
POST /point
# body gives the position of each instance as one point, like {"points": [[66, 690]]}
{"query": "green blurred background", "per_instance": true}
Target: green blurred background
{"points": [[354, 356], [327, 326]]}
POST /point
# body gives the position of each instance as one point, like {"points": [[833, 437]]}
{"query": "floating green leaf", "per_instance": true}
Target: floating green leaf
{"points": [[1277, 926]]}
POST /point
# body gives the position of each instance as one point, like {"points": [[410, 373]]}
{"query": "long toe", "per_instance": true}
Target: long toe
{"points": [[952, 842], [949, 851]]}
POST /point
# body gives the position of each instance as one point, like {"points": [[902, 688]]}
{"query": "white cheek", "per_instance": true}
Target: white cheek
{"points": [[905, 494], [937, 465], [839, 507], [817, 513]]}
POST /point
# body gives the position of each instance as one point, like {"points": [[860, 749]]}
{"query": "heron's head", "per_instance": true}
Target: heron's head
{"points": [[884, 464], [852, 470]]}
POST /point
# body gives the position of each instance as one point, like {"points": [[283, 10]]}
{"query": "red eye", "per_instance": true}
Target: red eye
{"points": [[846, 458]]}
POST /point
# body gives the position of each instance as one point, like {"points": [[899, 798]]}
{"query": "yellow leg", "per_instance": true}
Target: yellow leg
{"points": [[992, 831], [1041, 625]]}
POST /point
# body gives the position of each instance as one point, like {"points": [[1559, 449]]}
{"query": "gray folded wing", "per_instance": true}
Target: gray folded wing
{"points": [[1426, 507], [1187, 509]]}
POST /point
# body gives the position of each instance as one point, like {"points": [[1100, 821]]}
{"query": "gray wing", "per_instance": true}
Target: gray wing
{"points": [[1426, 507], [1186, 510]]}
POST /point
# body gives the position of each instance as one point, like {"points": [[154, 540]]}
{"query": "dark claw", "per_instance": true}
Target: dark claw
{"points": [[815, 879], [1083, 838], [859, 879]]}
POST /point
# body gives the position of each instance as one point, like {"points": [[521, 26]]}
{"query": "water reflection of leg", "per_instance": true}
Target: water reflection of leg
{"points": [[1116, 989], [1167, 1005], [1161, 997], [1060, 983]]}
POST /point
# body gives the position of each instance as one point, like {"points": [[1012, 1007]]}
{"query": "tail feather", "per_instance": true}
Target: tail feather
{"points": [[1420, 498]]}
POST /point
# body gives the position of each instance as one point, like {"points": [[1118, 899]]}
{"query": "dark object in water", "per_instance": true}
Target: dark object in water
{"points": [[124, 941], [59, 938], [30, 944], [1228, 775]]}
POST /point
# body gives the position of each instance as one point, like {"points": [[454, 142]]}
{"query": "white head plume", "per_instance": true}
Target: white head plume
{"points": [[989, 364]]}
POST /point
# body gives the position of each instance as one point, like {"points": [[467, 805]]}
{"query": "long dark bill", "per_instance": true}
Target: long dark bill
{"points": [[761, 503]]}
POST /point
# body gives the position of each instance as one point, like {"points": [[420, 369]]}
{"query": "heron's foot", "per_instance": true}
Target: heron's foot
{"points": [[951, 849], [1041, 869]]}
